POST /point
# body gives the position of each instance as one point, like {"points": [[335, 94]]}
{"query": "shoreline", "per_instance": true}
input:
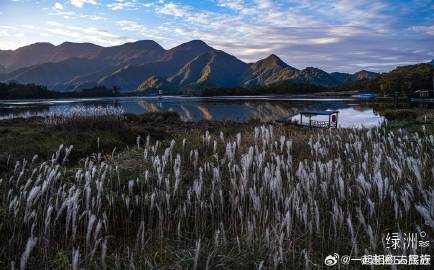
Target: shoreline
{"points": [[313, 96]]}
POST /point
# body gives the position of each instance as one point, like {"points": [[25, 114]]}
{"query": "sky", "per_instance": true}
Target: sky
{"points": [[334, 35]]}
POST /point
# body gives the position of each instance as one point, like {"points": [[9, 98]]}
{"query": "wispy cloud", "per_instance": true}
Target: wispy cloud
{"points": [[58, 6], [429, 30], [174, 10], [80, 3], [71, 14], [92, 34], [143, 31], [124, 5], [238, 5], [337, 35]]}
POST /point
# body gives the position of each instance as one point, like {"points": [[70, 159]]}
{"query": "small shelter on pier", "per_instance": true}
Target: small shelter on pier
{"points": [[331, 123]]}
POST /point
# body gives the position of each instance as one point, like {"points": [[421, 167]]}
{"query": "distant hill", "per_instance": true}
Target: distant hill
{"points": [[53, 73], [365, 75], [145, 65], [268, 71], [213, 69], [358, 76], [314, 76], [155, 83], [130, 77], [404, 80], [129, 53], [342, 77], [26, 56], [133, 53], [407, 79]]}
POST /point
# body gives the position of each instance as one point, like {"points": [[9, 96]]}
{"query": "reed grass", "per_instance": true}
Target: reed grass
{"points": [[266, 198], [80, 115]]}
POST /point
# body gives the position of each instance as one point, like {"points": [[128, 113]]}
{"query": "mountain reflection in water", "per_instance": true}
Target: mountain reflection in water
{"points": [[240, 109]]}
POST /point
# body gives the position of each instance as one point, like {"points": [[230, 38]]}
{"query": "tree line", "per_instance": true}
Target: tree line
{"points": [[403, 81], [13, 90]]}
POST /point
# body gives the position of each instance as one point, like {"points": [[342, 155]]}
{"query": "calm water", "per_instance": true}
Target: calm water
{"points": [[352, 113]]}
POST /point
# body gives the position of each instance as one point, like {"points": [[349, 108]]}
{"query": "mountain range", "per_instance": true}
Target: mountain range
{"points": [[145, 66]]}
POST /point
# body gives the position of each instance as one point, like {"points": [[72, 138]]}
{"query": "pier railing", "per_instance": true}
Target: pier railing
{"points": [[317, 123], [321, 124]]}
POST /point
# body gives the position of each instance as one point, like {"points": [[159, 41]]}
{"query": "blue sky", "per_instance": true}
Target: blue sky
{"points": [[335, 35]]}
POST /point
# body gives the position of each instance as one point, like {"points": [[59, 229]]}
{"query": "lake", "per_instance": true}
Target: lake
{"points": [[352, 112]]}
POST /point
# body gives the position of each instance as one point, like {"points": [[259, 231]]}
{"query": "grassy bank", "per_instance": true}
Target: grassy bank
{"points": [[413, 120], [209, 195], [24, 138]]}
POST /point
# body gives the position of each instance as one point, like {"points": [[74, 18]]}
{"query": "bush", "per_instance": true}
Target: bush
{"points": [[400, 114], [87, 117]]}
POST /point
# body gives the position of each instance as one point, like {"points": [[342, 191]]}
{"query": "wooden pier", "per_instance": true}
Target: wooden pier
{"points": [[331, 123]]}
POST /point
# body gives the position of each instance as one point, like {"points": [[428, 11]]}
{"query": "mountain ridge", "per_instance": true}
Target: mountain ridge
{"points": [[193, 65]]}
